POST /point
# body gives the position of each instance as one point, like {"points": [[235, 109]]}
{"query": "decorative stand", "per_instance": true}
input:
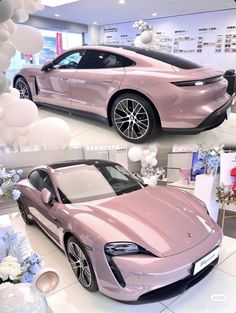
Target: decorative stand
{"points": [[223, 208], [205, 190]]}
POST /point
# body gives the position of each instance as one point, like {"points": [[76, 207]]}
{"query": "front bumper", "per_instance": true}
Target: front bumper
{"points": [[153, 278], [212, 121]]}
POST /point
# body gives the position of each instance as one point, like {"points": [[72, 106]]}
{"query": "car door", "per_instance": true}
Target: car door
{"points": [[98, 77], [54, 85], [47, 216]]}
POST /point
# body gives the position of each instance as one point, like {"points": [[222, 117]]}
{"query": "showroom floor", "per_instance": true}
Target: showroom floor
{"points": [[86, 130], [216, 293]]}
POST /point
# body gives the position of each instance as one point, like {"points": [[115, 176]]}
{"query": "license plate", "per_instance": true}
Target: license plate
{"points": [[228, 112], [206, 260]]}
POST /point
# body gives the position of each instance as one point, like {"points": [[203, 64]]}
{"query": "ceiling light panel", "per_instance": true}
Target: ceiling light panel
{"points": [[57, 3]]}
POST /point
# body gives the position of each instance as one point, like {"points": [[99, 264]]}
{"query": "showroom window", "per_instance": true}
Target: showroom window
{"points": [[95, 59], [55, 42]]}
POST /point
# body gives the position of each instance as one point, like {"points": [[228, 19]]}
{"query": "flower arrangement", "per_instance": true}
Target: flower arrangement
{"points": [[209, 157], [225, 195], [8, 183], [142, 26], [18, 263]]}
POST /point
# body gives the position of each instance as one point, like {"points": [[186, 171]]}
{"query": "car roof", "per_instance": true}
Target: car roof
{"points": [[79, 162]]}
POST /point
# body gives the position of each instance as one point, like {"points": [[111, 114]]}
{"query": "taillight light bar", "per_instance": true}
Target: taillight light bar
{"points": [[200, 82]]}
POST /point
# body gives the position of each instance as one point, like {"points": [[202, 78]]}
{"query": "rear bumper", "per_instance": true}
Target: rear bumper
{"points": [[213, 120]]}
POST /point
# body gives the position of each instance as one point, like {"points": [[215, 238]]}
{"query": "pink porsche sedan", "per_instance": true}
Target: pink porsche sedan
{"points": [[129, 241], [140, 92]]}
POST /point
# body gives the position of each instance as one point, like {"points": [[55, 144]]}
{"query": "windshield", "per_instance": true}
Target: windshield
{"points": [[81, 183]]}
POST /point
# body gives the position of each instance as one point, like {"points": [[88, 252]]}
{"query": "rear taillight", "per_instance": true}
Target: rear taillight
{"points": [[200, 82]]}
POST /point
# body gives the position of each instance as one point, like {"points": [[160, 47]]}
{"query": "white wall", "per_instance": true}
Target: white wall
{"points": [[171, 28]]}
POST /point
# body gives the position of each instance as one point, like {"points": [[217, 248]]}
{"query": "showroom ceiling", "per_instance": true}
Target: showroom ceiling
{"points": [[105, 12]]}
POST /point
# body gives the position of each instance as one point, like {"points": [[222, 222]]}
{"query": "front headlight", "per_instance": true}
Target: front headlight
{"points": [[122, 248]]}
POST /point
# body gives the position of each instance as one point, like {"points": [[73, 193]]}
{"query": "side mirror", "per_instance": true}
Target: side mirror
{"points": [[46, 197], [48, 66]]}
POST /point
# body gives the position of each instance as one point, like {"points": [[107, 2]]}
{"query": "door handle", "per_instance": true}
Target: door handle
{"points": [[107, 81]]}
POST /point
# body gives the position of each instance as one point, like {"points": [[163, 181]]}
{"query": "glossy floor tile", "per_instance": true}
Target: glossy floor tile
{"points": [[214, 294], [90, 131]]}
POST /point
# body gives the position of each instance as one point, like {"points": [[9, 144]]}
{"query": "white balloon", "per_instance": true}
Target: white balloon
{"points": [[18, 4], [6, 10], [22, 131], [21, 16], [153, 180], [9, 135], [1, 112], [146, 152], [154, 162], [14, 92], [4, 62], [4, 35], [11, 26], [20, 113], [31, 7], [153, 148], [6, 99], [135, 154], [138, 43], [27, 39], [4, 26], [149, 159], [146, 37], [3, 83], [8, 49], [50, 133]]}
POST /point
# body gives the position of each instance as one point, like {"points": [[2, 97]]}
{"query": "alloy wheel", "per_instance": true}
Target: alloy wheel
{"points": [[131, 118], [23, 88], [79, 264]]}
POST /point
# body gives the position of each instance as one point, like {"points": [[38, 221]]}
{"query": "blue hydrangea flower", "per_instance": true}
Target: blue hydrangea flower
{"points": [[27, 277], [16, 177], [19, 172], [15, 194]]}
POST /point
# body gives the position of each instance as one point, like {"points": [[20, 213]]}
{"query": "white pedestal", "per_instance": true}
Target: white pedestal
{"points": [[205, 190]]}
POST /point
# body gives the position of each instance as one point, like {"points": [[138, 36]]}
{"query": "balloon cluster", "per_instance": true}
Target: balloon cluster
{"points": [[148, 37], [148, 157], [18, 117]]}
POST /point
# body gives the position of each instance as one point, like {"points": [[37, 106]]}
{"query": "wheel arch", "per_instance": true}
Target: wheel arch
{"points": [[16, 77], [136, 92]]}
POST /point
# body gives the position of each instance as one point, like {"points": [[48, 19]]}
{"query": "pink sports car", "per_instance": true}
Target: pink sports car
{"points": [[140, 92], [129, 241]]}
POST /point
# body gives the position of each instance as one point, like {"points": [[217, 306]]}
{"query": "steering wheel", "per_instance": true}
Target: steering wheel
{"points": [[72, 64]]}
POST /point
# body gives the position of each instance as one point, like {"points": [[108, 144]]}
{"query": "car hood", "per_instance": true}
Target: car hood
{"points": [[162, 220]]}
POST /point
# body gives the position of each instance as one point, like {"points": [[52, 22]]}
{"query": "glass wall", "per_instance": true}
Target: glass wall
{"points": [[55, 42]]}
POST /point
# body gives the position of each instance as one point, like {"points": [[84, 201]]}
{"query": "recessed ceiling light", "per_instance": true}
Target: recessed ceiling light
{"points": [[95, 23], [57, 3], [57, 15], [154, 14], [121, 1]]}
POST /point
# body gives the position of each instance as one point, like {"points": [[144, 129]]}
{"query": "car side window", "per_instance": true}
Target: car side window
{"points": [[69, 61], [95, 59], [40, 179], [116, 174]]}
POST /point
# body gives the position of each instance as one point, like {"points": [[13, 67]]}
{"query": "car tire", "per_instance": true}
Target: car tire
{"points": [[24, 214], [24, 88], [134, 118], [81, 264]]}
